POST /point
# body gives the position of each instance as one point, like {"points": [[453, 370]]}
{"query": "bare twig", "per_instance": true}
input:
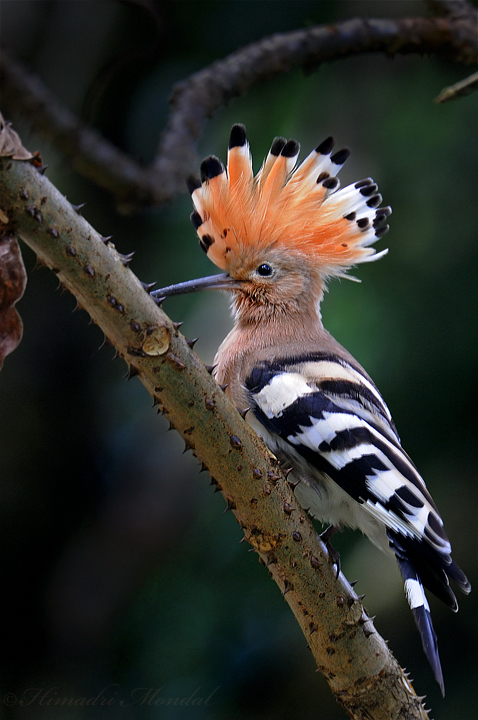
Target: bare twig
{"points": [[91, 154], [194, 100], [361, 671], [459, 89], [203, 93]]}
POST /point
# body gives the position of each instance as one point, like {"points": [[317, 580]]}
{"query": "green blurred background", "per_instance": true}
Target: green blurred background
{"points": [[122, 576]]}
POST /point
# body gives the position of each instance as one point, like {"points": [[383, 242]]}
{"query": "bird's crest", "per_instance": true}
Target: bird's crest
{"points": [[301, 210]]}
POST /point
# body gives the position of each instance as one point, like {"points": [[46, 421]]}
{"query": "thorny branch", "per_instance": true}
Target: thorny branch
{"points": [[452, 33], [362, 673]]}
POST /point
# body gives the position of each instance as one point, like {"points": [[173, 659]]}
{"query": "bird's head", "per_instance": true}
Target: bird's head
{"points": [[280, 234]]}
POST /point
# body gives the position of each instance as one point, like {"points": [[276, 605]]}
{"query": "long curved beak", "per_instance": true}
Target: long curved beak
{"points": [[212, 282]]}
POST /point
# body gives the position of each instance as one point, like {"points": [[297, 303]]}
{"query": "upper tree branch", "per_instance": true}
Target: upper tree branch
{"points": [[361, 671], [453, 8], [454, 36]]}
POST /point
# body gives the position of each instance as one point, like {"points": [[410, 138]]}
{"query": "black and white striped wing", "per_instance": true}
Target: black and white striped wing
{"points": [[334, 417]]}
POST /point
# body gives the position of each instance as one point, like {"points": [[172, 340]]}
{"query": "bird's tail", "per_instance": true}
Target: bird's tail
{"points": [[420, 608]]}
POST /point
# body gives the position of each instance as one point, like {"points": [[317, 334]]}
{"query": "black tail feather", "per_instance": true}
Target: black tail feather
{"points": [[434, 579], [424, 624], [421, 614], [434, 569], [457, 574], [419, 605]]}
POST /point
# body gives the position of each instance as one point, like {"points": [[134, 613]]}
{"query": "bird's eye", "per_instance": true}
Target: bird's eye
{"points": [[264, 270]]}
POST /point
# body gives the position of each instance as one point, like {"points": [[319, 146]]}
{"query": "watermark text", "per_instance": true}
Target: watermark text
{"points": [[111, 695]]}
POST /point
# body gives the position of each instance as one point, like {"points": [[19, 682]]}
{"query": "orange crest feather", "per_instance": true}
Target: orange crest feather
{"points": [[302, 211]]}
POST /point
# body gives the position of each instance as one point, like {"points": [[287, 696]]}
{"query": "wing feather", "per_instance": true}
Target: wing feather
{"points": [[333, 415]]}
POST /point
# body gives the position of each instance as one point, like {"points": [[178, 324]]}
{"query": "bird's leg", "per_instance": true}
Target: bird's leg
{"points": [[334, 555]]}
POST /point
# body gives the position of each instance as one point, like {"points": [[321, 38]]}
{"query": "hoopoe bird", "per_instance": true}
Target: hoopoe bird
{"points": [[279, 236]]}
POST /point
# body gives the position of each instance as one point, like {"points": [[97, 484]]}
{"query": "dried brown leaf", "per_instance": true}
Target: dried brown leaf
{"points": [[12, 284], [10, 143]]}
